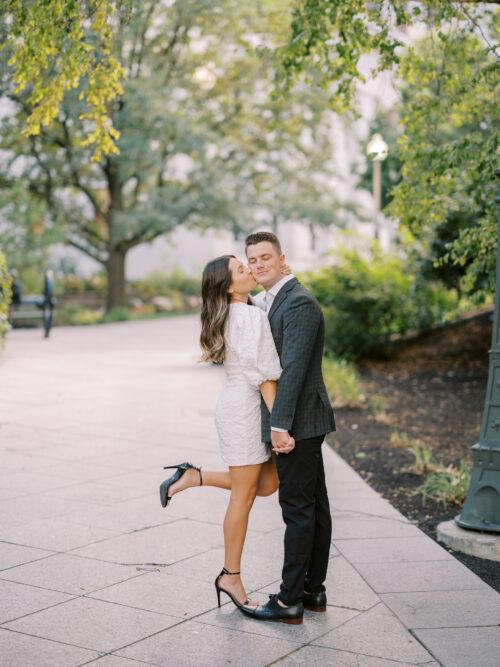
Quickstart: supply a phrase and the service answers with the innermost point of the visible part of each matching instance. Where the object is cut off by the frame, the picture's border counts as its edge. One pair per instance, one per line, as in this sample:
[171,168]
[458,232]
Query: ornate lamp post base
[481,510]
[482,506]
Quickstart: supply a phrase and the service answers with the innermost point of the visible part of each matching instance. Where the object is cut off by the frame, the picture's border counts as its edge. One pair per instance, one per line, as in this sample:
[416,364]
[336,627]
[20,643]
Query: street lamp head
[377,149]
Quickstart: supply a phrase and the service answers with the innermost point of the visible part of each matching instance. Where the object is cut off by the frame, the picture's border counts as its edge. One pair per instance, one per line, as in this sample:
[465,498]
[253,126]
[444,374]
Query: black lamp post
[481,510]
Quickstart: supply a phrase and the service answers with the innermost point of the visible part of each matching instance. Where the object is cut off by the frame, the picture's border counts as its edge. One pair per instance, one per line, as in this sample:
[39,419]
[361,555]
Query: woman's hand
[286,270]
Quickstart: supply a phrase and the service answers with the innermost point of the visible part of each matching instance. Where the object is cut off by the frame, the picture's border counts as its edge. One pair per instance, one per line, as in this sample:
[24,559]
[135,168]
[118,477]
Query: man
[301,412]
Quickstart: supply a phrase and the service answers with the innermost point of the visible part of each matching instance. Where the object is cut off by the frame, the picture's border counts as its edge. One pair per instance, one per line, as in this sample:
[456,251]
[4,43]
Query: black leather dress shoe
[314,601]
[273,611]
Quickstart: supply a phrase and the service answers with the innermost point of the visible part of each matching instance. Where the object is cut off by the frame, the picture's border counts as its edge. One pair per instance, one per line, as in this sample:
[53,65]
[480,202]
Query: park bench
[32,307]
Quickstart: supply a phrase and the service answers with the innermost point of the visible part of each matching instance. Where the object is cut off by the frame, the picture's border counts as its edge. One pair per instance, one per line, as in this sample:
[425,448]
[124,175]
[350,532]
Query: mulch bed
[432,388]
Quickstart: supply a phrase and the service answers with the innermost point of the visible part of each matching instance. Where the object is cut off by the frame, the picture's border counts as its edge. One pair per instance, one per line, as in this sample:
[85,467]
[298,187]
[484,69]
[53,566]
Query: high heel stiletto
[179,471]
[223,590]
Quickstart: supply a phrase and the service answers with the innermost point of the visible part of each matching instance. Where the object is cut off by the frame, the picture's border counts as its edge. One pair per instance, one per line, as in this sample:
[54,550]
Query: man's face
[265,263]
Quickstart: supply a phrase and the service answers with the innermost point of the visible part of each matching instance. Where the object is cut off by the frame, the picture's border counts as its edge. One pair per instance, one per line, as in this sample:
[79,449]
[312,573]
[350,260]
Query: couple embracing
[271,419]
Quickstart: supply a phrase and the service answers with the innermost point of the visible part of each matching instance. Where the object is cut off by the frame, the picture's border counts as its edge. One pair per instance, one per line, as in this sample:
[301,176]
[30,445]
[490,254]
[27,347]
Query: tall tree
[199,132]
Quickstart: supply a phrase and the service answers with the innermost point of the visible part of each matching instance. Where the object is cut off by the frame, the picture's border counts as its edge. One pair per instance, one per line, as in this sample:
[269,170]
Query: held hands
[282,442]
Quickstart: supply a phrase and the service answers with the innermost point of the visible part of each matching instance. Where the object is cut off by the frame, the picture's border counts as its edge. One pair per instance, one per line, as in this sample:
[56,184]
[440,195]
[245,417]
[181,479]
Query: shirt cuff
[280,430]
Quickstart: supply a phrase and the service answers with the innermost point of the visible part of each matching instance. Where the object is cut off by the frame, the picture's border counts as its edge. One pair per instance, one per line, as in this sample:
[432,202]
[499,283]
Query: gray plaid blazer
[302,406]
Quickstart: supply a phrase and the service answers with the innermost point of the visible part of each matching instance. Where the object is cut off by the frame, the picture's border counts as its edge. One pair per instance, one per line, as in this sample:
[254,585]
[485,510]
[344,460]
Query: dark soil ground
[431,388]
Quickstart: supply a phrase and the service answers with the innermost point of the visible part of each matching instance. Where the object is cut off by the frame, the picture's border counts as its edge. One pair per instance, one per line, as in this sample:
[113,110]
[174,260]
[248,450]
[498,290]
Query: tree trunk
[115,268]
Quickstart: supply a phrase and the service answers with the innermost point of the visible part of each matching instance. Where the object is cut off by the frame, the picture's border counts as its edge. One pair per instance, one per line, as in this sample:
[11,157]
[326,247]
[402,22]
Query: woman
[238,334]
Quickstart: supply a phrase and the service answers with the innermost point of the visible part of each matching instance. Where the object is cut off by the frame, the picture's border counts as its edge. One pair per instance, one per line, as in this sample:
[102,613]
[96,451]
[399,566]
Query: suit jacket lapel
[281,296]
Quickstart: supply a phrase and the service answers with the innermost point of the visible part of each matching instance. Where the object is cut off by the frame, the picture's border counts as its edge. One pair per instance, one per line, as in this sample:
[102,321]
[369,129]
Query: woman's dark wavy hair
[215,283]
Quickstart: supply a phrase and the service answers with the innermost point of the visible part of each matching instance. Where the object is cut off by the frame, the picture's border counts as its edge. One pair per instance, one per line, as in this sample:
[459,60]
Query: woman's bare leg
[244,484]
[219,479]
[268,479]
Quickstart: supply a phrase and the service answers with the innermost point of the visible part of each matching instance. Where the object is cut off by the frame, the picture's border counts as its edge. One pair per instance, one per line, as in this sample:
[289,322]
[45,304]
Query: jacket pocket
[323,395]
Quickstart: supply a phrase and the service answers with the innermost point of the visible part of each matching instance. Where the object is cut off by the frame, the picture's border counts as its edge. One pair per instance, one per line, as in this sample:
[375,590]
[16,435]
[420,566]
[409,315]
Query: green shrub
[72,283]
[366,301]
[87,316]
[175,285]
[117,314]
[342,383]
[5,296]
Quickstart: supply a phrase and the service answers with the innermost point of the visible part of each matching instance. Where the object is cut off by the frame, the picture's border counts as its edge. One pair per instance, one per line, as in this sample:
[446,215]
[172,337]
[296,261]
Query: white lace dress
[250,359]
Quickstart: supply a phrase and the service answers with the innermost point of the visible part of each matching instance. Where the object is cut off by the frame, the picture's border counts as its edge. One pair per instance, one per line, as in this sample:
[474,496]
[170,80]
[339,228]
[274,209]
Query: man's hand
[282,442]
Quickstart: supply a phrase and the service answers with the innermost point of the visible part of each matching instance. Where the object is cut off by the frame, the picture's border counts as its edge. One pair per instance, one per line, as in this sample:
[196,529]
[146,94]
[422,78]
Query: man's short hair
[259,237]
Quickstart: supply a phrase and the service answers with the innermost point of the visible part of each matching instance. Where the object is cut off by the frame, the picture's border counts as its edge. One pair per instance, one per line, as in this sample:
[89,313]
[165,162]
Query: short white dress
[250,360]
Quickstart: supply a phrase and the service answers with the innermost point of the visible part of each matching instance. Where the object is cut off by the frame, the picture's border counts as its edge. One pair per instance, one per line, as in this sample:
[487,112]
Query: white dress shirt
[273,291]
[265,302]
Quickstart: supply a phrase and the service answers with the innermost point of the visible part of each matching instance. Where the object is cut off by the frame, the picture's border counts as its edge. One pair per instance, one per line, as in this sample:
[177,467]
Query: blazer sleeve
[301,323]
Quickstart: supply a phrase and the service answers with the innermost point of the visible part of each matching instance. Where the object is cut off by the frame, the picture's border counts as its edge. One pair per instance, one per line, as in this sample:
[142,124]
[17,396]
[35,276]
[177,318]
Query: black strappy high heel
[179,471]
[223,590]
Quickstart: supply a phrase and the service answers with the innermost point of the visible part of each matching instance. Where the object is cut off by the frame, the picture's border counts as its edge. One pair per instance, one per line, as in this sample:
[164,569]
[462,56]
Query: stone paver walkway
[93,570]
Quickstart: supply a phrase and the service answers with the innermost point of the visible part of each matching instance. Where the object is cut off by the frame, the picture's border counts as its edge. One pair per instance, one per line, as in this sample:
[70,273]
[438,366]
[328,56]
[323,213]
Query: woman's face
[243,281]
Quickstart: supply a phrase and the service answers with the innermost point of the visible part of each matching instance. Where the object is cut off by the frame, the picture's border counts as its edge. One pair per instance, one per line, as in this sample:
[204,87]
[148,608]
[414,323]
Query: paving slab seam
[336,511]
[96,504]
[193,619]
[69,551]
[355,653]
[75,595]
[426,648]
[35,560]
[244,632]
[130,606]
[311,642]
[101,560]
[49,639]
[409,630]
[441,590]
[122,657]
[454,627]
[134,530]
[86,648]
[30,613]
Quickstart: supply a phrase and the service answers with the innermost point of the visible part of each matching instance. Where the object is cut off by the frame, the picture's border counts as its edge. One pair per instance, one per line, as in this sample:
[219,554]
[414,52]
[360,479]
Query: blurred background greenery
[122,121]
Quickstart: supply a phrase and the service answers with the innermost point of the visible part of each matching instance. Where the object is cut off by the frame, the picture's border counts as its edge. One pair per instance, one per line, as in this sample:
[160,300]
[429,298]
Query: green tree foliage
[58,46]
[449,151]
[27,230]
[450,128]
[202,143]
[334,35]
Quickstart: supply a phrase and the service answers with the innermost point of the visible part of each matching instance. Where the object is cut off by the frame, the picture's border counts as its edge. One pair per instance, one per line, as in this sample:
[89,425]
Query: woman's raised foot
[189,479]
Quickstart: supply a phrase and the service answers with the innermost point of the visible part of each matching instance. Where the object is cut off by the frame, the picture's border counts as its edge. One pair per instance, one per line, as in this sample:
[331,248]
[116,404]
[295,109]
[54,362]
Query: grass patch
[343,383]
[424,460]
[446,485]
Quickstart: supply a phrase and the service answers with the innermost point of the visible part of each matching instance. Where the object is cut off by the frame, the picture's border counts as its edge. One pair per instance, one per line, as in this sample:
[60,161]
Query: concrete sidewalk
[93,570]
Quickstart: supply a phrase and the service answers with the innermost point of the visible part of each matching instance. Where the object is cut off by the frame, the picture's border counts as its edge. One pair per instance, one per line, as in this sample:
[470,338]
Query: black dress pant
[306,512]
